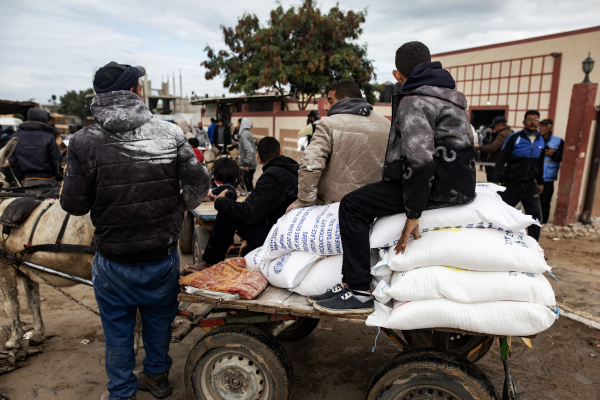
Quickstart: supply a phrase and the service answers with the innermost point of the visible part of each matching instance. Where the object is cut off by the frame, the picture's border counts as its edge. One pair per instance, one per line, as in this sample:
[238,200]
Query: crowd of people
[137,176]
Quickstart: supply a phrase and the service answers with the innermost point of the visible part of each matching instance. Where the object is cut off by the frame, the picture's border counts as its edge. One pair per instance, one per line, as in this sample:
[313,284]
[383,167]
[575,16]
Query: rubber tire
[187,234]
[262,345]
[439,368]
[415,340]
[303,327]
[200,240]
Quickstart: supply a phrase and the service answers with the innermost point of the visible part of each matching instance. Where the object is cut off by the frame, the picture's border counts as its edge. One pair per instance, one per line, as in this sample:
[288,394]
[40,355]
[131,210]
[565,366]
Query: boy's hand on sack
[291,207]
[410,227]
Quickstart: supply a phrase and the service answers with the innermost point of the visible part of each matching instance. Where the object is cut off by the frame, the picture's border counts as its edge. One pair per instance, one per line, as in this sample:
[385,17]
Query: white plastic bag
[503,318]
[486,211]
[288,270]
[324,275]
[311,230]
[429,283]
[487,250]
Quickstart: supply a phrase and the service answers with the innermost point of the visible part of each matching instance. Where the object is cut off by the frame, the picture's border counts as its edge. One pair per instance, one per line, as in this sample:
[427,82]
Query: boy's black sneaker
[345,302]
[327,295]
[158,385]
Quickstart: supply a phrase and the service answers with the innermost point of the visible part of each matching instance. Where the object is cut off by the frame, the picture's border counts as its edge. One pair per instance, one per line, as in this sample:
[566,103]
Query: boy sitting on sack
[430,163]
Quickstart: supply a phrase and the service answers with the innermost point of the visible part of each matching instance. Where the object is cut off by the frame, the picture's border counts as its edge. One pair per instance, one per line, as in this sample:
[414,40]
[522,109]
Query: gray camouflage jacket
[430,149]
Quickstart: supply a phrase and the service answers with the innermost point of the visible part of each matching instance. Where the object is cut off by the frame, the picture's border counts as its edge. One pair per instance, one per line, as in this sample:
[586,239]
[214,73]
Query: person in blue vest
[523,176]
[211,128]
[553,156]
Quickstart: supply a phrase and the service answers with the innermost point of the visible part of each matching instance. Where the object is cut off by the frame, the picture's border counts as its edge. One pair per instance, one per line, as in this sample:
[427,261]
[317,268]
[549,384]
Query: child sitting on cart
[429,164]
[253,218]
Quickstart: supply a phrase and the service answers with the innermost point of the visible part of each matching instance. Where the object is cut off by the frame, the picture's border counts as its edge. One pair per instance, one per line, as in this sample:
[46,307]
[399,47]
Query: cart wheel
[299,330]
[201,236]
[471,347]
[430,375]
[238,361]
[187,233]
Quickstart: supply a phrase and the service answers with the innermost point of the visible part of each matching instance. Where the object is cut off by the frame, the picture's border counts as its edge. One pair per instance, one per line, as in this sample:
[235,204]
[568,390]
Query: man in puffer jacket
[247,152]
[430,163]
[36,158]
[346,151]
[125,170]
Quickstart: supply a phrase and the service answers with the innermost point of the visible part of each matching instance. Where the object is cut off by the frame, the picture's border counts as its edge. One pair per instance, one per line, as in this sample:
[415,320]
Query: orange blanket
[229,276]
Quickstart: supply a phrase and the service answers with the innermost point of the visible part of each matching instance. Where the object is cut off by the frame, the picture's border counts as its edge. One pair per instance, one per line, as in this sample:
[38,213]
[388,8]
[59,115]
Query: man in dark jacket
[429,164]
[253,218]
[36,158]
[221,135]
[523,176]
[553,156]
[500,132]
[125,170]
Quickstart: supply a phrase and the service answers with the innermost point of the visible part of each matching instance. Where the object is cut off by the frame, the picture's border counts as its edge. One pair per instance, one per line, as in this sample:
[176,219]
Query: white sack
[503,318]
[487,210]
[254,260]
[324,275]
[288,270]
[485,250]
[429,283]
[311,230]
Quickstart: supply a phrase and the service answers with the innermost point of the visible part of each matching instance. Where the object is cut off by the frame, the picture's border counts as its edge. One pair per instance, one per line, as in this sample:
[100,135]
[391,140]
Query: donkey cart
[241,358]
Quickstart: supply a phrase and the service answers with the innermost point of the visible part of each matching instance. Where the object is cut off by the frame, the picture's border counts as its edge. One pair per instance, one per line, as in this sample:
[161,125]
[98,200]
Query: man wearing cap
[36,158]
[125,170]
[500,132]
[553,156]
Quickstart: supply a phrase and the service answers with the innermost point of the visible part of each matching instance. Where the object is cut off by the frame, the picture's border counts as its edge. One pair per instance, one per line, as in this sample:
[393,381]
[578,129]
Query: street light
[588,66]
[323,89]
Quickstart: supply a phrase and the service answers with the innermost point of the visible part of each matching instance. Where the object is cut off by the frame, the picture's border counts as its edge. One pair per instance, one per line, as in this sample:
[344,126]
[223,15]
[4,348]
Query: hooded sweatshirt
[346,152]
[430,148]
[36,156]
[247,148]
[125,170]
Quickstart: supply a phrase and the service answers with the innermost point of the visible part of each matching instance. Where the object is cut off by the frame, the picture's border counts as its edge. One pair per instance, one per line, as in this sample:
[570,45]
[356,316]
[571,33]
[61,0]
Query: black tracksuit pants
[358,210]
[249,179]
[546,199]
[222,235]
[527,194]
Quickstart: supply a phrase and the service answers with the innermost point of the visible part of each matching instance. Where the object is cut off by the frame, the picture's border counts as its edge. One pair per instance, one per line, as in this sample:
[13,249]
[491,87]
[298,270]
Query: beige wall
[574,50]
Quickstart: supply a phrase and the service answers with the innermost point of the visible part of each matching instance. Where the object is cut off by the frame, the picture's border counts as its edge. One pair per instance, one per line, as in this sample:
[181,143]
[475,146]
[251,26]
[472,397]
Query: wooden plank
[207,208]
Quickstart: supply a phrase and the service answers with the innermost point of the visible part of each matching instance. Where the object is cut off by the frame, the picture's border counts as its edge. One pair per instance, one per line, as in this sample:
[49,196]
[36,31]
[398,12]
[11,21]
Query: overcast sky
[49,47]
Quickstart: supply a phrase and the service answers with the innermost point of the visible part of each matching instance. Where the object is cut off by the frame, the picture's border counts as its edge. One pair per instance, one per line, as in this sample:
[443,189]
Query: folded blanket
[229,276]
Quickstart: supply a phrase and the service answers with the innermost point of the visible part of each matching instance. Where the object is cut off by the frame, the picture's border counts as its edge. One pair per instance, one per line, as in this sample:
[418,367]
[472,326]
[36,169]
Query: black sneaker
[327,295]
[158,385]
[345,303]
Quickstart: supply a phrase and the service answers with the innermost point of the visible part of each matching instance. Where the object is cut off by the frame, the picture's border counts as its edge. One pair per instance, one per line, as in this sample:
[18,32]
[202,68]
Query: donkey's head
[7,150]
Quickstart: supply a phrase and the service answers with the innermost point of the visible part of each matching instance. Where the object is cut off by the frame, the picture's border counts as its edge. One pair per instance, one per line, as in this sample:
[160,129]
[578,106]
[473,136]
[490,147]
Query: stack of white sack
[485,280]
[304,273]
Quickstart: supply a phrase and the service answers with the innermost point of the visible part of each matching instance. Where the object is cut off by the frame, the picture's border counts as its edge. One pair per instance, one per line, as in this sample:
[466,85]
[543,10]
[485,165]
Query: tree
[73,103]
[302,48]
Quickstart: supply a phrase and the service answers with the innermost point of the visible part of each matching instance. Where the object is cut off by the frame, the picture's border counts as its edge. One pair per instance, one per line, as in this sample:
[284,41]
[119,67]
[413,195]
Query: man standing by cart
[126,170]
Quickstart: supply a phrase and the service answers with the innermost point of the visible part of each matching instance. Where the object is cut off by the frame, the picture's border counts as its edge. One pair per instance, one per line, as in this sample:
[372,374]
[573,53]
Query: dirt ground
[335,362]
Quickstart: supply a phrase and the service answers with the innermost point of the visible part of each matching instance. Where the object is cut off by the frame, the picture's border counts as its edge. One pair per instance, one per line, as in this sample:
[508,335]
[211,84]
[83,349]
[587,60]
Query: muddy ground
[329,364]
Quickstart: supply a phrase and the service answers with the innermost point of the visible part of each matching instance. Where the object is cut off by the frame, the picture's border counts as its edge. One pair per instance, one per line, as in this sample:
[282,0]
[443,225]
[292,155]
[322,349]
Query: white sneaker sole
[339,312]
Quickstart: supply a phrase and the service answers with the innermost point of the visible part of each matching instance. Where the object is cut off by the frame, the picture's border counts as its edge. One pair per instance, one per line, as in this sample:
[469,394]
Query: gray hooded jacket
[247,148]
[125,170]
[430,149]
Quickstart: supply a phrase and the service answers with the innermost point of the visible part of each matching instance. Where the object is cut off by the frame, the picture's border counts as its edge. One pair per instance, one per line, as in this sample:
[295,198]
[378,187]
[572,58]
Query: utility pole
[180,92]
[174,95]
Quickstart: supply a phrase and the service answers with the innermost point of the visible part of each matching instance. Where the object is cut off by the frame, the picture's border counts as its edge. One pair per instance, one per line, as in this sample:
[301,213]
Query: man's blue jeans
[120,291]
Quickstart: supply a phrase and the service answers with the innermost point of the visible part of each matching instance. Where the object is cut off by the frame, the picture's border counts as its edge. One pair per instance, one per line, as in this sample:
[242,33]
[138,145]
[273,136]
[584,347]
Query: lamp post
[588,66]
[323,89]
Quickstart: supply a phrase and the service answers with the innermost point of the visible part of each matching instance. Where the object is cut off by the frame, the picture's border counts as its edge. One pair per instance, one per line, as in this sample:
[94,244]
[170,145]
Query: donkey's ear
[7,150]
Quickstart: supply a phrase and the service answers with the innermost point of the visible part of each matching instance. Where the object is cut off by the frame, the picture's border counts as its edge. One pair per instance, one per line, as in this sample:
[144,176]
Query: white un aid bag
[486,211]
[461,286]
[502,318]
[311,230]
[487,250]
[324,275]
[288,270]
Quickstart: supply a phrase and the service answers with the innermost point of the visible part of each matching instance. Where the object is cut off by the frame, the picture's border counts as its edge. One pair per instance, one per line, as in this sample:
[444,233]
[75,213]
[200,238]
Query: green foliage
[20,116]
[73,103]
[301,47]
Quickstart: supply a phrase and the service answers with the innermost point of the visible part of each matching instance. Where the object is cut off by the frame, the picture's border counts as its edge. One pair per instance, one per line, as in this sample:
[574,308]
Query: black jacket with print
[430,149]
